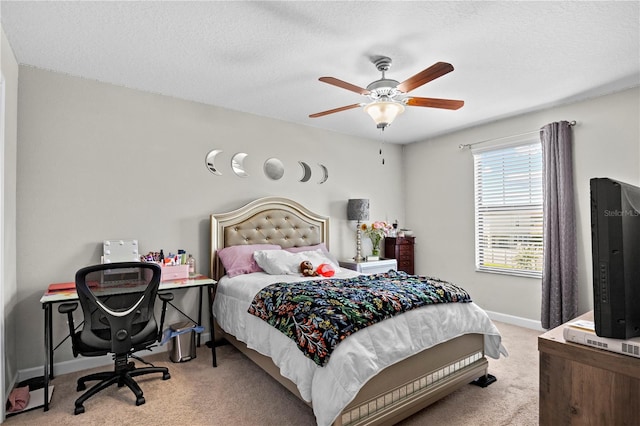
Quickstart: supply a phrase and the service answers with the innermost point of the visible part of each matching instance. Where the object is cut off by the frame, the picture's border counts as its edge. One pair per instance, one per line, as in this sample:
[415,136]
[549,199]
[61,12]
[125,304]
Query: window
[508,207]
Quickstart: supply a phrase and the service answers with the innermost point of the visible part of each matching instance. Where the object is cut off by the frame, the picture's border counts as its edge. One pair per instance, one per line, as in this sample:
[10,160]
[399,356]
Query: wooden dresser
[401,249]
[582,385]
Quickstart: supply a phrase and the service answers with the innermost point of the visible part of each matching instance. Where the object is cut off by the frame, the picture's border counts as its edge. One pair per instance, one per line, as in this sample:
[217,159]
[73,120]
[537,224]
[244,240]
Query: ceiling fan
[389,97]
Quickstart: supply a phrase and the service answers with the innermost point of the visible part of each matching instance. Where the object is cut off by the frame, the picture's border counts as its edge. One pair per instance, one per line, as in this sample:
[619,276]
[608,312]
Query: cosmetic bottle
[191,261]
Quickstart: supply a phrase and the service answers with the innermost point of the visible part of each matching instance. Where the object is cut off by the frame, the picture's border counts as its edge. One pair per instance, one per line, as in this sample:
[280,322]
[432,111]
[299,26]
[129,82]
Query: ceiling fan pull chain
[382,141]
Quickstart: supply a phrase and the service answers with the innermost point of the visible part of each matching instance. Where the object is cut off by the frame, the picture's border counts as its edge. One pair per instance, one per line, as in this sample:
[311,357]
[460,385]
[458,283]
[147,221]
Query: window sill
[524,274]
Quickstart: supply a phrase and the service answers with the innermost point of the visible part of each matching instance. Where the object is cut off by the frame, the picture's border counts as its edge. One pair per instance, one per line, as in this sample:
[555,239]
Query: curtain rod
[469,145]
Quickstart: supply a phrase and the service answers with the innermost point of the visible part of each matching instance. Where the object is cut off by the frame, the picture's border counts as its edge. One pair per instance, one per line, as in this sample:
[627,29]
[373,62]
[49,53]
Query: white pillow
[282,262]
[277,262]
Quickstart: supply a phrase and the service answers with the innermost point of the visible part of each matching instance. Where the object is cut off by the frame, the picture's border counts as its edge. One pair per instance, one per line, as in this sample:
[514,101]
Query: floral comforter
[319,315]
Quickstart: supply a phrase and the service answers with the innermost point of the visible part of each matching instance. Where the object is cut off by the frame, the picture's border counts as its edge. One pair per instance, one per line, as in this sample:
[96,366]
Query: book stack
[584,333]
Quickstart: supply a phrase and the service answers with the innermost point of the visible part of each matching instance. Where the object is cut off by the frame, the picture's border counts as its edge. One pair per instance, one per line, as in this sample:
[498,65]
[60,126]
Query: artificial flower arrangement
[375,232]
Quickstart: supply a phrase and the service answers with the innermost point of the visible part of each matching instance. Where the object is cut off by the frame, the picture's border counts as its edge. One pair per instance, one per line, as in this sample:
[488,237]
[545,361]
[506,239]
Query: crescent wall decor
[306,171]
[237,164]
[210,162]
[273,168]
[325,173]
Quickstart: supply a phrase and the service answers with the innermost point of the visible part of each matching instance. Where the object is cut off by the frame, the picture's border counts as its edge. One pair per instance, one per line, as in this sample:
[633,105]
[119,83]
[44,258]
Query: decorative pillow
[238,260]
[278,262]
[283,262]
[325,270]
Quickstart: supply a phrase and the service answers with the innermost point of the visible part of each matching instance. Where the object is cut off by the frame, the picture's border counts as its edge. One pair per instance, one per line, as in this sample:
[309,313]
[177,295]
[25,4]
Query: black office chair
[117,301]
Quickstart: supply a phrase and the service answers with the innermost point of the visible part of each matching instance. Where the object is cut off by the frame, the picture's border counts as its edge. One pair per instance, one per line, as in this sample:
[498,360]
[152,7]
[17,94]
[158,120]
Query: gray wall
[9,68]
[97,161]
[439,198]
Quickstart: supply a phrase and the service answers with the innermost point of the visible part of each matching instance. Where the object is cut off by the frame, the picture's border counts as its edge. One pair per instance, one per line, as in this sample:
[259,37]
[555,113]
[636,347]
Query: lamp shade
[358,209]
[383,113]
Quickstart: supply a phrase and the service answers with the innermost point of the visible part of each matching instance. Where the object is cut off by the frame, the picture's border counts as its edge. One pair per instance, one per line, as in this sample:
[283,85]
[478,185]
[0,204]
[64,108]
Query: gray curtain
[559,286]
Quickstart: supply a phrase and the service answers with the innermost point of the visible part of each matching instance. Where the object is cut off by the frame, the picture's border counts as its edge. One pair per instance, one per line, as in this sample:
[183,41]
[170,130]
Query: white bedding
[359,357]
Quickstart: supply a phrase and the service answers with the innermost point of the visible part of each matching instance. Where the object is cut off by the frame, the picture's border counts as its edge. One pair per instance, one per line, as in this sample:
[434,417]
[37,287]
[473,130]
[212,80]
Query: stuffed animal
[325,270]
[306,269]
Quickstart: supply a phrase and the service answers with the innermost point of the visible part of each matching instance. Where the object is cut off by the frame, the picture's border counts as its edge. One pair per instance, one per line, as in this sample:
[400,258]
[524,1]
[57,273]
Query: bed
[368,380]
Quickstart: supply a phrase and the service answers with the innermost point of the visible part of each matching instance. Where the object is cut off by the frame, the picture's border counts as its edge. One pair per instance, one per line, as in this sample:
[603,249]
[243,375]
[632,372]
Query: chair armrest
[69,308]
[66,308]
[166,298]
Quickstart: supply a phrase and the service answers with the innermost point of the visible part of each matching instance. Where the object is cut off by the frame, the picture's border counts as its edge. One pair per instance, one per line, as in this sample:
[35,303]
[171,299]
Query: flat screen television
[615,244]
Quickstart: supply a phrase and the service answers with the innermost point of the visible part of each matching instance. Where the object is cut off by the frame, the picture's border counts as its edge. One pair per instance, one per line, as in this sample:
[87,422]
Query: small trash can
[182,345]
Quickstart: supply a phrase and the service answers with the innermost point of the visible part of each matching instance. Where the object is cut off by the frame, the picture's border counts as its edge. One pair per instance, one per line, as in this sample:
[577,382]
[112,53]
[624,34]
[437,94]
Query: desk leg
[199,314]
[48,350]
[50,331]
[212,343]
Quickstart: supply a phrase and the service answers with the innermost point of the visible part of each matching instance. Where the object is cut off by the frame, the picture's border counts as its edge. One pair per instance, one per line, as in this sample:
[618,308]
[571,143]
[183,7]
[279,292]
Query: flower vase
[375,247]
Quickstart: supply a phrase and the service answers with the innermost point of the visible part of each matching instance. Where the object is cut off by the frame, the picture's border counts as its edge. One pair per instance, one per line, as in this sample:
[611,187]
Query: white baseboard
[519,321]
[85,363]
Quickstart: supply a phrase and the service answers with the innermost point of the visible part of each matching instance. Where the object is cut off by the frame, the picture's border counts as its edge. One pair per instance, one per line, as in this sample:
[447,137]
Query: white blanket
[359,357]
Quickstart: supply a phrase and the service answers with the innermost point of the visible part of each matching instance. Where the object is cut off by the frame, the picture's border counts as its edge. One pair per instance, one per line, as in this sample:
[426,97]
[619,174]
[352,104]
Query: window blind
[508,209]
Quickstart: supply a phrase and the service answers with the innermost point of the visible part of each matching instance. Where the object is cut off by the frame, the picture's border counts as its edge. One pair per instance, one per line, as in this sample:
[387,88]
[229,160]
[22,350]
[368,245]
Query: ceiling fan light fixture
[384,112]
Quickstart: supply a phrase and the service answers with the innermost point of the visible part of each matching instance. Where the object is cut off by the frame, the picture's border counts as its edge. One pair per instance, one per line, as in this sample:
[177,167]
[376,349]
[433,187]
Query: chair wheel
[140,400]
[81,387]
[166,376]
[79,410]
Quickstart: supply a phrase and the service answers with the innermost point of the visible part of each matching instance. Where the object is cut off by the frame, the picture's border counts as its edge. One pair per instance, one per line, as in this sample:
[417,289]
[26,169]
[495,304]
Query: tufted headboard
[270,220]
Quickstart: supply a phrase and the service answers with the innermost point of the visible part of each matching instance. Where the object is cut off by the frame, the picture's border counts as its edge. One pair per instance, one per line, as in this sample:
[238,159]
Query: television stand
[584,385]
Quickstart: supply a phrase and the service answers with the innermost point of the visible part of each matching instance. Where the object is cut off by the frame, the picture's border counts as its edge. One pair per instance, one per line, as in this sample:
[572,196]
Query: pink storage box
[176,272]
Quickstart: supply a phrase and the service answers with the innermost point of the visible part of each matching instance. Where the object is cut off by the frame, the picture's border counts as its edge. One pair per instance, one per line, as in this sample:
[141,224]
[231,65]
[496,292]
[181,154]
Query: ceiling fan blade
[435,103]
[344,85]
[434,71]
[331,111]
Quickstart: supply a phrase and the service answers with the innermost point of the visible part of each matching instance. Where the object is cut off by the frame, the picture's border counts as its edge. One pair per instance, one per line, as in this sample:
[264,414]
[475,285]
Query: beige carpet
[239,393]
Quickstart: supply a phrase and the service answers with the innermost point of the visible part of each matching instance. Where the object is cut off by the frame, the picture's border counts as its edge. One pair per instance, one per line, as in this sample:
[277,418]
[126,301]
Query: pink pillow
[238,260]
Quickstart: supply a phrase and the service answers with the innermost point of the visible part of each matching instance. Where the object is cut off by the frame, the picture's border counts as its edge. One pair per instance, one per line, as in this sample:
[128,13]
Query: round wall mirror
[273,168]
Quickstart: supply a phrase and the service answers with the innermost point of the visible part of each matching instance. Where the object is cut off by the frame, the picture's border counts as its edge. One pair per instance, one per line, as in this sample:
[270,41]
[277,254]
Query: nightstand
[370,267]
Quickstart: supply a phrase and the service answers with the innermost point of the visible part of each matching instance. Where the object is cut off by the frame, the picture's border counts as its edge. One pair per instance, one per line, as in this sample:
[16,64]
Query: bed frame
[395,393]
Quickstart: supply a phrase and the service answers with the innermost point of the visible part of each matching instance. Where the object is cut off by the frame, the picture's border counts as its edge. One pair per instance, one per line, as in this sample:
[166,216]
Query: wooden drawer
[405,250]
[406,267]
[404,240]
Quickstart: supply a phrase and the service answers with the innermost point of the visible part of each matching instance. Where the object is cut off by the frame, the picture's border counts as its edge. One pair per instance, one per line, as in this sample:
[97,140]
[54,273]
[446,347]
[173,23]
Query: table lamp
[358,210]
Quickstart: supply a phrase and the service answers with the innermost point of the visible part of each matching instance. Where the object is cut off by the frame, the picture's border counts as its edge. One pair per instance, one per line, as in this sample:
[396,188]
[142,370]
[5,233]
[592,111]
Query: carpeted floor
[239,393]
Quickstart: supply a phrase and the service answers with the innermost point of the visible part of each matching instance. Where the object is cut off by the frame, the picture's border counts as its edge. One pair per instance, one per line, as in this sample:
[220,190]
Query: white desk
[62,296]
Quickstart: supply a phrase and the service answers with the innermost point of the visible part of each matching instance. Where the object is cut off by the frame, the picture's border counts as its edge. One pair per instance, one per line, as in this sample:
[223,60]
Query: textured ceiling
[265,58]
